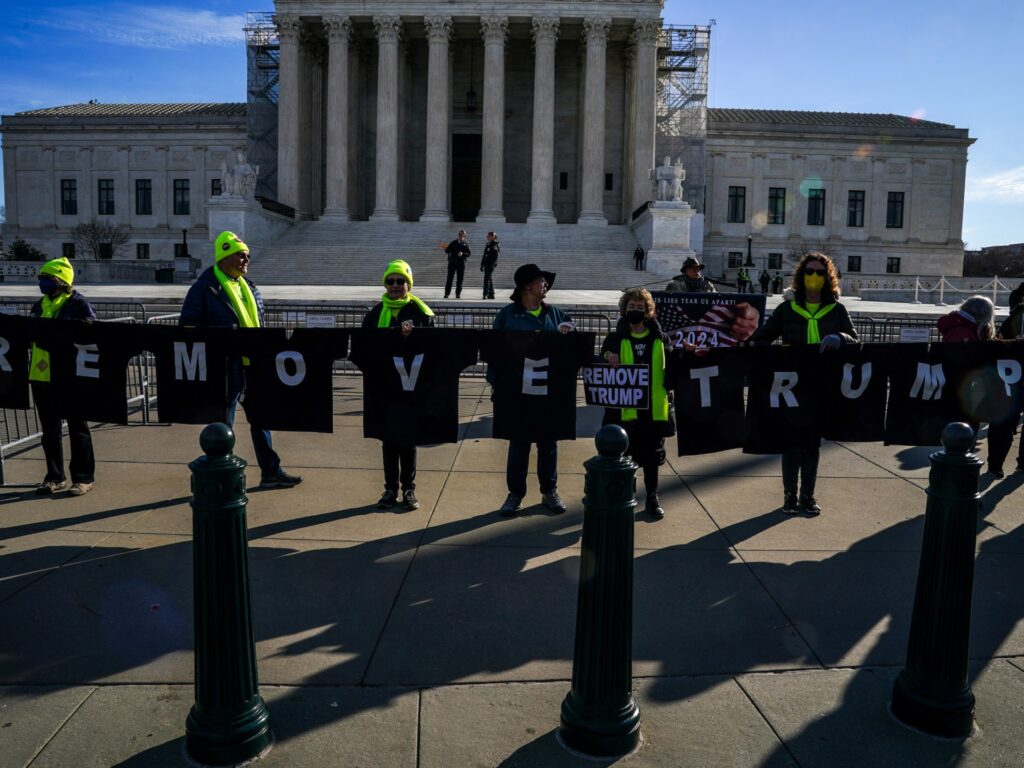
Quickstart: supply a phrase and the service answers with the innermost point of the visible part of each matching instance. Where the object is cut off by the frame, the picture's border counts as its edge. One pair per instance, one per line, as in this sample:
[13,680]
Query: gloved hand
[832,341]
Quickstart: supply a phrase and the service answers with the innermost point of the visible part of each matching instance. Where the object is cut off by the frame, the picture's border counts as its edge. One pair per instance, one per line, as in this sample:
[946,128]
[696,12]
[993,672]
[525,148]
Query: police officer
[491,252]
[691,280]
[458,252]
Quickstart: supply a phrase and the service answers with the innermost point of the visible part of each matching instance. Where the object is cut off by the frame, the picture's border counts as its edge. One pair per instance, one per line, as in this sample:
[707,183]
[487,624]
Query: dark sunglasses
[821,272]
[395,281]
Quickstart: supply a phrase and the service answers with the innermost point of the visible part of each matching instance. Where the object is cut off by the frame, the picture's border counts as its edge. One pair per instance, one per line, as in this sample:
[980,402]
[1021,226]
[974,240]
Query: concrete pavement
[443,637]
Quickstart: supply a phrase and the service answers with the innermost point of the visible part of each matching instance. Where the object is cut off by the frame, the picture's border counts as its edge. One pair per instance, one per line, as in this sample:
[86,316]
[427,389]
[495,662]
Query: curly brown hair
[637,294]
[829,291]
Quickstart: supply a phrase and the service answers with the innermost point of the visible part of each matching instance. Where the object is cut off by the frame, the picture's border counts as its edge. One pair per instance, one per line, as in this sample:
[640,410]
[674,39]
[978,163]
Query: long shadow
[42,526]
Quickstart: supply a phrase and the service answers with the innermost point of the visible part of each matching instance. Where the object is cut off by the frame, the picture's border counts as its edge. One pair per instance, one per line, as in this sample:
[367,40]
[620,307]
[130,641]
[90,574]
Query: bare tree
[94,237]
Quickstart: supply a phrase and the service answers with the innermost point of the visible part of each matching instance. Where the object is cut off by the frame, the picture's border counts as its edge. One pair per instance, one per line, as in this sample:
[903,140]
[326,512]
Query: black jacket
[491,252]
[75,308]
[612,343]
[786,324]
[409,312]
[457,250]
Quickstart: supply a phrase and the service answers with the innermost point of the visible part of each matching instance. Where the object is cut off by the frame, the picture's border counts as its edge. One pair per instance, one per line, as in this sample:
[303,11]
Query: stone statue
[664,176]
[227,182]
[678,176]
[240,179]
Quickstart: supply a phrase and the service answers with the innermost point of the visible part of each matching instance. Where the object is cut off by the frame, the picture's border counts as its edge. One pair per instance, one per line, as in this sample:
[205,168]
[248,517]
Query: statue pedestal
[663,231]
[243,216]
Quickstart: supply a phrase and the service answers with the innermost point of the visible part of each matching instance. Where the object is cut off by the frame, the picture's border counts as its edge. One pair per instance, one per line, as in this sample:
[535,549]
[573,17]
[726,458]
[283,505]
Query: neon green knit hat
[61,269]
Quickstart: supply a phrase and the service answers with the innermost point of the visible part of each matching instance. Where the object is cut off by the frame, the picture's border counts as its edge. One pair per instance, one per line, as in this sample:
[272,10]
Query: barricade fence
[20,428]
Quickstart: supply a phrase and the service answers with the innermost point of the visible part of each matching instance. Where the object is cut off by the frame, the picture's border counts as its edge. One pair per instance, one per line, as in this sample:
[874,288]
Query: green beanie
[61,269]
[227,244]
[399,267]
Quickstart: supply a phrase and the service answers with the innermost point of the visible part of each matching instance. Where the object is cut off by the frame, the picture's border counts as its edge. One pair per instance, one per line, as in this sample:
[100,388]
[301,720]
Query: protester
[638,339]
[638,258]
[813,316]
[971,322]
[458,252]
[764,279]
[221,297]
[777,283]
[743,281]
[529,312]
[399,309]
[60,301]
[691,280]
[487,264]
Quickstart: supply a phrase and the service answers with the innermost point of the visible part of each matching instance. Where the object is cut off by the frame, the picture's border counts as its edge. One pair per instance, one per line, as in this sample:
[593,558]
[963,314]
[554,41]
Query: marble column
[545,35]
[645,77]
[494,30]
[955,233]
[389,29]
[307,119]
[439,33]
[289,98]
[338,30]
[628,148]
[595,32]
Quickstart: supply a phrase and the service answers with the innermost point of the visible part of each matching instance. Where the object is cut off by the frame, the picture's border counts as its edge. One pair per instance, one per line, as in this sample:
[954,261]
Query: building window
[68,197]
[181,197]
[776,205]
[142,250]
[105,198]
[816,207]
[609,182]
[563,180]
[106,251]
[214,187]
[735,259]
[774,261]
[853,264]
[737,213]
[855,208]
[180,251]
[892,265]
[143,197]
[67,250]
[894,211]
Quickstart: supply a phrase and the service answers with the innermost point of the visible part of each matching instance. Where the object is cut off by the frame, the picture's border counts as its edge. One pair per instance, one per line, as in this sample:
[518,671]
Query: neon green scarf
[39,370]
[659,397]
[392,307]
[242,301]
[813,336]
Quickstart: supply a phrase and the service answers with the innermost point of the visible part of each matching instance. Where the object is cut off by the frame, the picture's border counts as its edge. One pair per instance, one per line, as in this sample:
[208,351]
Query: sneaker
[790,506]
[995,471]
[653,506]
[553,502]
[49,487]
[388,499]
[409,500]
[80,489]
[810,506]
[281,480]
[512,505]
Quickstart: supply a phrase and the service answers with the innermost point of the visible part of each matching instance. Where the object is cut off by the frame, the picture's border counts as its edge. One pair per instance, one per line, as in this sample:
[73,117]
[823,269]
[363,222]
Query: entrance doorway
[466,162]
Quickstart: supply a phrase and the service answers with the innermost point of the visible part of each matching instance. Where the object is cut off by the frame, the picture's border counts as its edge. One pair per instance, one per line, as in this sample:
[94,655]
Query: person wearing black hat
[458,252]
[690,281]
[529,312]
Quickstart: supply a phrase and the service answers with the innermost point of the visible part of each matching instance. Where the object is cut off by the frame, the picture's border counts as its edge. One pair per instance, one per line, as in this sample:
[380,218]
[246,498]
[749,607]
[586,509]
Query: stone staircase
[355,253]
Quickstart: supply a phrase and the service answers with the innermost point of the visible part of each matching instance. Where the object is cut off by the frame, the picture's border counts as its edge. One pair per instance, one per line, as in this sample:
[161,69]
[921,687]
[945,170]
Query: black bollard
[599,714]
[932,693]
[229,722]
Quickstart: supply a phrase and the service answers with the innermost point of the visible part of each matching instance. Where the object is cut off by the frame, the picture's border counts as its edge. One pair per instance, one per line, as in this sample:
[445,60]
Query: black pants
[488,283]
[1000,438]
[455,266]
[802,462]
[399,465]
[518,465]
[83,460]
[638,263]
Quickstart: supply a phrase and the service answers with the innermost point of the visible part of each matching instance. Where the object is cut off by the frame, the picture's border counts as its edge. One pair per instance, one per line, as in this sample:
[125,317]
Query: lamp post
[750,260]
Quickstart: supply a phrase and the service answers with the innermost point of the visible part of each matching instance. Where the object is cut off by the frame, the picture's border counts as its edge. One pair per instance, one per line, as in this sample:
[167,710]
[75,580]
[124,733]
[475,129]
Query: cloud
[1004,186]
[143,26]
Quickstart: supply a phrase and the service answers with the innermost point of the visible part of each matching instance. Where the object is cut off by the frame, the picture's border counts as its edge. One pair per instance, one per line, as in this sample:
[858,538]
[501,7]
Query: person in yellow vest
[222,297]
[61,301]
[639,340]
[813,316]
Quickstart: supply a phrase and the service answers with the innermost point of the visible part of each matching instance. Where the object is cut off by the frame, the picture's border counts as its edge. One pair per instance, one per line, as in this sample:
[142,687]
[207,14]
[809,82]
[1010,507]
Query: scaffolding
[262,55]
[682,103]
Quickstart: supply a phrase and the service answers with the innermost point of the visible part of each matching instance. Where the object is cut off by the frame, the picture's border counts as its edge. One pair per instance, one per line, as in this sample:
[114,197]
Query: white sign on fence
[915,335]
[321,321]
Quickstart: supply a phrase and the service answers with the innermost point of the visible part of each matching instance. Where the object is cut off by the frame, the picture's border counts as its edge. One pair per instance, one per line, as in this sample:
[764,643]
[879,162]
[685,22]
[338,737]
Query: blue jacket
[207,306]
[75,308]
[514,317]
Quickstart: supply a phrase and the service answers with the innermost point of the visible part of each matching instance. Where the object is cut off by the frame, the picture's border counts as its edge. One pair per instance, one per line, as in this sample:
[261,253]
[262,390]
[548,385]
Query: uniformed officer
[458,252]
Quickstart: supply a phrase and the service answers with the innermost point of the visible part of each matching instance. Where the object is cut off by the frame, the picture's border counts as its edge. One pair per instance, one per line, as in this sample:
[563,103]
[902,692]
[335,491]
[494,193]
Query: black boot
[653,506]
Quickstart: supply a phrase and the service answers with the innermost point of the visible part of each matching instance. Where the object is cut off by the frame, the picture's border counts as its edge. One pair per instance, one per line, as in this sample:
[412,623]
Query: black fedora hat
[526,274]
[692,262]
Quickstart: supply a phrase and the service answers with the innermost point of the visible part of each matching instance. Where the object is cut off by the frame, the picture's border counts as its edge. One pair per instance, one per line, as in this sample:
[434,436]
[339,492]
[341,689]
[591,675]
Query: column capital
[646,31]
[545,30]
[288,27]
[337,28]
[494,29]
[388,29]
[439,28]
[595,29]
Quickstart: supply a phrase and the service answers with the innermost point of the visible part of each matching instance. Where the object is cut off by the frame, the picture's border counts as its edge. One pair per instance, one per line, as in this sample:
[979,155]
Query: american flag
[702,320]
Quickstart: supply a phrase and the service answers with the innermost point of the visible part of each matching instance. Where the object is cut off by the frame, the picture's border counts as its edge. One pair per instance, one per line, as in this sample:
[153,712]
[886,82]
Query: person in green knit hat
[60,301]
[399,309]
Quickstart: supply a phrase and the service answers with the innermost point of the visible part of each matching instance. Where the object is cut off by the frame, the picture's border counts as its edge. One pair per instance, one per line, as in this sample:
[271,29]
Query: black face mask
[635,316]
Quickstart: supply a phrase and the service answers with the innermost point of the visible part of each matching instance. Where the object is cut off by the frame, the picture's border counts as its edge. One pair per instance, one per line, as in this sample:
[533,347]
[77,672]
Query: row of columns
[494,30]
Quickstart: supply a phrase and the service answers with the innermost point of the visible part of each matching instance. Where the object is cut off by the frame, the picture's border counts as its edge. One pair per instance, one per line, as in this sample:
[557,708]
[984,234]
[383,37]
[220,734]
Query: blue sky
[951,62]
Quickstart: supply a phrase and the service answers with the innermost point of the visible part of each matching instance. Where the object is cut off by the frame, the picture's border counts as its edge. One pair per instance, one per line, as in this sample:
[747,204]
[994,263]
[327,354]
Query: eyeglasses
[395,281]
[821,272]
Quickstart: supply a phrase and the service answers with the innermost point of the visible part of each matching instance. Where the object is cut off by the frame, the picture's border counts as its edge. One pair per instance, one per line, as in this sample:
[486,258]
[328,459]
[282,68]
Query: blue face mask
[47,287]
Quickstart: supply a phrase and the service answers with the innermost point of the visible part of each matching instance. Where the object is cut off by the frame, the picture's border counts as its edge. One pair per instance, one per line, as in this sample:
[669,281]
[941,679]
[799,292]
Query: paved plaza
[444,636]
